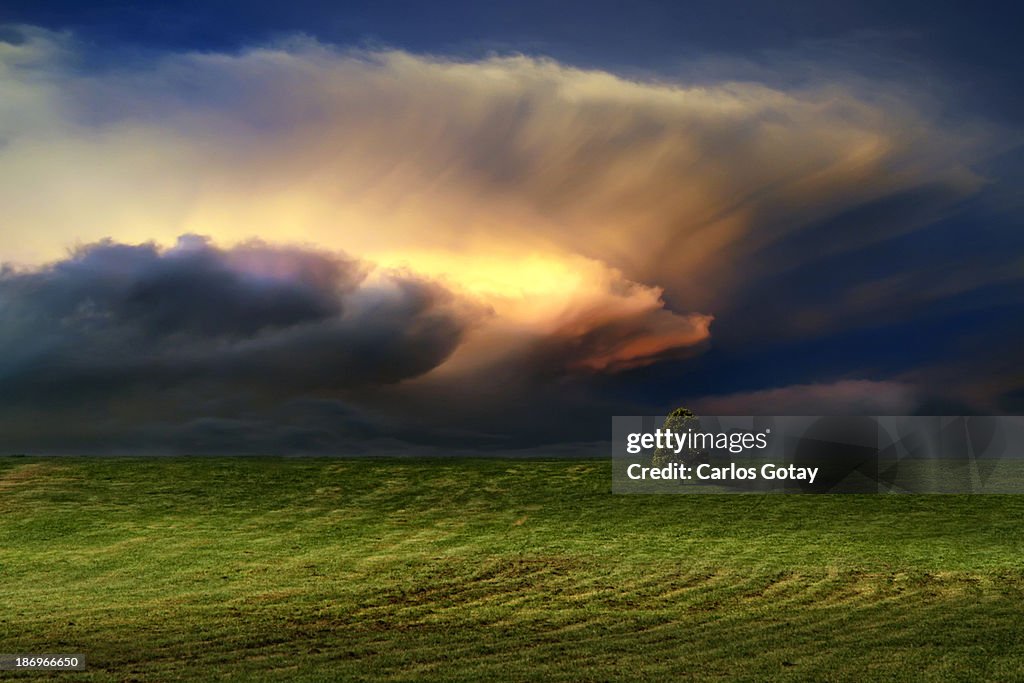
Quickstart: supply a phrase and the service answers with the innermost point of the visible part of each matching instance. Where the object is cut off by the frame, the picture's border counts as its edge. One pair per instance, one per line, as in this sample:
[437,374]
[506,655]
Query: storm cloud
[183,330]
[270,348]
[537,246]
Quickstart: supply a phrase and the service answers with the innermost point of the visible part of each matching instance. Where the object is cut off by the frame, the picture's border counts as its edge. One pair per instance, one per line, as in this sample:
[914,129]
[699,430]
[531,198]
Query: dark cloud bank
[268,349]
[251,348]
[256,349]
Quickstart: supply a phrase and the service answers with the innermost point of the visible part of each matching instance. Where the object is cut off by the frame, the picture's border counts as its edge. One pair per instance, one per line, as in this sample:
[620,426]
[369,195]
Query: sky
[485,228]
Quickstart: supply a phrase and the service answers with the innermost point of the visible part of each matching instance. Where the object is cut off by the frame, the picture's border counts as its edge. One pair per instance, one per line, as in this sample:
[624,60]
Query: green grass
[243,569]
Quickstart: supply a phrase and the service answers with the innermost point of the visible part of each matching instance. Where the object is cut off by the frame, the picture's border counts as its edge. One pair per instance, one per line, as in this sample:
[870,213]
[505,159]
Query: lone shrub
[678,421]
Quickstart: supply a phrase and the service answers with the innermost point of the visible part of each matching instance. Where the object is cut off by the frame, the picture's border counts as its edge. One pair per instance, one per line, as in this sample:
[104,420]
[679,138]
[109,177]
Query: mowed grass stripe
[262,569]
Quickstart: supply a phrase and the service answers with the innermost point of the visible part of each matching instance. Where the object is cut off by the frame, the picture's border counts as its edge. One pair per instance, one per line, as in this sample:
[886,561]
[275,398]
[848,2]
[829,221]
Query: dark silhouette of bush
[678,421]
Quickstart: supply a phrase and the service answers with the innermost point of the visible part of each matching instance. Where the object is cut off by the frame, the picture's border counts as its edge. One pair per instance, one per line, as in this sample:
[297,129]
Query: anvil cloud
[470,232]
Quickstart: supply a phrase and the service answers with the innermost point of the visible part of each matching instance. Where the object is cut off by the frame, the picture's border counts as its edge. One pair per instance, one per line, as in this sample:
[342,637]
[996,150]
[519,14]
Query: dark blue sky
[971,35]
[971,45]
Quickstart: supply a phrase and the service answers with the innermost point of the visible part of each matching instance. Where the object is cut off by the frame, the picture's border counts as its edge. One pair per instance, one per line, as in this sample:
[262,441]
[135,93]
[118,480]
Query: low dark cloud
[259,348]
[847,397]
[129,340]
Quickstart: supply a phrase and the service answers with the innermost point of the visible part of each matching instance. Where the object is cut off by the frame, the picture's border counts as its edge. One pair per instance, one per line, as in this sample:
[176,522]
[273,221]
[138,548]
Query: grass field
[243,569]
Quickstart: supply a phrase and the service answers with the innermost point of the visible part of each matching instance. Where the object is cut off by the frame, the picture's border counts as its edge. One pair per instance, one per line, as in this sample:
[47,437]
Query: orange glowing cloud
[566,201]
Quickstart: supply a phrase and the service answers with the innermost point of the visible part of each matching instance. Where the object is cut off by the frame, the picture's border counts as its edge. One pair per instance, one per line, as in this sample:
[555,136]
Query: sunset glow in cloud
[567,222]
